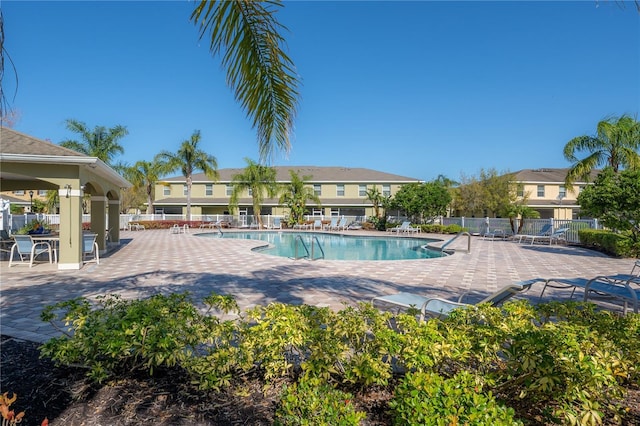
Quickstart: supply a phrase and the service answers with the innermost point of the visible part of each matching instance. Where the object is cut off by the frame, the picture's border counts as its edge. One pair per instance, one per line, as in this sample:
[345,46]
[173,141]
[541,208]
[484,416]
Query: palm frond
[259,71]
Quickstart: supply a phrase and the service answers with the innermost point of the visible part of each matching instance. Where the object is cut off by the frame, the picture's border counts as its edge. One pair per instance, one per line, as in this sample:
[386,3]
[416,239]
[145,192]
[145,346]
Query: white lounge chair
[277,224]
[557,236]
[544,231]
[404,227]
[317,224]
[333,225]
[342,225]
[437,307]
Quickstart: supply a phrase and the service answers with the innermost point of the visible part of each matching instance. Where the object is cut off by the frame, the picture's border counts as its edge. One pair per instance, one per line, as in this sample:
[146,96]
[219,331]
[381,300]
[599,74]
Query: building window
[362,190]
[580,189]
[340,190]
[42,192]
[21,192]
[229,190]
[562,192]
[250,192]
[317,189]
[208,190]
[316,211]
[184,189]
[540,190]
[386,190]
[166,191]
[335,211]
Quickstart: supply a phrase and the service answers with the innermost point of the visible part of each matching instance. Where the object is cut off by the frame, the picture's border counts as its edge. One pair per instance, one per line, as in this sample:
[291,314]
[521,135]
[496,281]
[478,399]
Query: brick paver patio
[157,261]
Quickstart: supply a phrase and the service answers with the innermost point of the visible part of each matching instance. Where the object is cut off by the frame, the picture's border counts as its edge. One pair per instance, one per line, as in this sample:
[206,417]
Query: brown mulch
[65,397]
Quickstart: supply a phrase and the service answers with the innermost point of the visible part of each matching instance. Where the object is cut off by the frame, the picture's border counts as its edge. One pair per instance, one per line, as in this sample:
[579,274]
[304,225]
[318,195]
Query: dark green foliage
[560,362]
[614,199]
[616,244]
[316,403]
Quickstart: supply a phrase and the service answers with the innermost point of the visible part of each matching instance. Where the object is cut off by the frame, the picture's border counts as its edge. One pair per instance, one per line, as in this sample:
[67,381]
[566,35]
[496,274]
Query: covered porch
[27,163]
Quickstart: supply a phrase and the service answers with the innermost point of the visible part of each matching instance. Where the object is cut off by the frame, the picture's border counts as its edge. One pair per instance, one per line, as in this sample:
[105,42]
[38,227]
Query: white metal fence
[473,225]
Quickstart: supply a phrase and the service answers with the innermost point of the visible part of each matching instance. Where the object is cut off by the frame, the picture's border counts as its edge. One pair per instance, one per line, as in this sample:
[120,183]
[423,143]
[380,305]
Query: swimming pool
[336,247]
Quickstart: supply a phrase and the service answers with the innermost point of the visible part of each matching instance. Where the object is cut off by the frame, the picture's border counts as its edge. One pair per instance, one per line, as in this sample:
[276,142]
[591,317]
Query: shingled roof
[547,175]
[318,174]
[14,142]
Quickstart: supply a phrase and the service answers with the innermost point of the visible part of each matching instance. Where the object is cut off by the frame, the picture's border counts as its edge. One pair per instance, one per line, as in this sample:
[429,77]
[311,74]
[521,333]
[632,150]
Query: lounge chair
[557,236]
[437,307]
[624,287]
[26,247]
[277,224]
[405,227]
[342,225]
[90,248]
[333,225]
[546,230]
[317,224]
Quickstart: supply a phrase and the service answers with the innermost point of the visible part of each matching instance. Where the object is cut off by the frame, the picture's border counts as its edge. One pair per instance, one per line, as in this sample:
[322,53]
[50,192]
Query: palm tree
[259,71]
[377,200]
[144,175]
[295,195]
[99,142]
[188,159]
[615,144]
[258,180]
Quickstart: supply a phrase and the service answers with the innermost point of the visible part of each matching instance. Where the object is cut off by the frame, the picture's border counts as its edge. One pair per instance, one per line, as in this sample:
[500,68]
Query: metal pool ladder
[454,238]
[309,254]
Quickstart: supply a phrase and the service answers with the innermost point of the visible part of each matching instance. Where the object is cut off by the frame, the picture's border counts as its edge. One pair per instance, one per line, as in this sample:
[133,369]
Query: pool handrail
[299,238]
[454,238]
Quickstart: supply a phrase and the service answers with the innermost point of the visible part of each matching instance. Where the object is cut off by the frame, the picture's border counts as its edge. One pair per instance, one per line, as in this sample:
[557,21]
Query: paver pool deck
[157,261]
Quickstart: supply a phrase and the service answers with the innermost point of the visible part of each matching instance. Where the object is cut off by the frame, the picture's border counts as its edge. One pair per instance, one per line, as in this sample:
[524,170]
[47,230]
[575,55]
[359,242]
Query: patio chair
[317,224]
[342,225]
[405,227]
[624,287]
[437,307]
[546,230]
[26,248]
[277,223]
[90,248]
[557,236]
[333,225]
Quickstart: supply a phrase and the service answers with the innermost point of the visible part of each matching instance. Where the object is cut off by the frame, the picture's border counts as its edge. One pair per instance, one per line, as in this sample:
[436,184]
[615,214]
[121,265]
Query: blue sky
[413,88]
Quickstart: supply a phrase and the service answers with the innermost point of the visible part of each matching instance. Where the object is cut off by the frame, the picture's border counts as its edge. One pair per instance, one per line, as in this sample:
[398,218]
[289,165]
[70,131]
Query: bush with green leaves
[115,335]
[314,402]
[426,398]
[564,362]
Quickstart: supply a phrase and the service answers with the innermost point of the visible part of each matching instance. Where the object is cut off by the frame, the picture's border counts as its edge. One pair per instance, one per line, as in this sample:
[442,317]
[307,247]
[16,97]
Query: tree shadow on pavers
[571,251]
[262,288]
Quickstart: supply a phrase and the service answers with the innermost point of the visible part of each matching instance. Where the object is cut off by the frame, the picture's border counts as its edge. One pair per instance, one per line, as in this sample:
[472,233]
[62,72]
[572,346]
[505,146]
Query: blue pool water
[337,247]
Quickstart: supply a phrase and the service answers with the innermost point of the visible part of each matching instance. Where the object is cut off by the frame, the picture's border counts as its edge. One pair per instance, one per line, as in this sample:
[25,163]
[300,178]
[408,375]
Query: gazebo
[30,163]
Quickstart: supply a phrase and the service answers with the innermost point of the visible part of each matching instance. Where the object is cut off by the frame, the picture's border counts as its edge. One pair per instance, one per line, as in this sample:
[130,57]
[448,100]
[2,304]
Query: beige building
[342,192]
[547,193]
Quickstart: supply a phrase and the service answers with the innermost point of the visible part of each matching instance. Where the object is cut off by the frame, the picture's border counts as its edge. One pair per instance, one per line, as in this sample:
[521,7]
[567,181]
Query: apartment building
[341,190]
[547,193]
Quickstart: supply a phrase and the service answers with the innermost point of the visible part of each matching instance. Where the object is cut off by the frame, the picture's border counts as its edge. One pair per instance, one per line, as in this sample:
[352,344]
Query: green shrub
[424,398]
[617,244]
[316,403]
[120,336]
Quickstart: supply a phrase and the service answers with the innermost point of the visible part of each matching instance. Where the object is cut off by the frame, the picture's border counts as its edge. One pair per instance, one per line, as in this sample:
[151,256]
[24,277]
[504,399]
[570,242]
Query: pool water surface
[336,247]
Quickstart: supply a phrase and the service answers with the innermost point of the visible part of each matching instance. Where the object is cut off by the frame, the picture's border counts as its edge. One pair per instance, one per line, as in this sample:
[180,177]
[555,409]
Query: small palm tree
[295,194]
[99,142]
[615,144]
[144,175]
[188,159]
[257,179]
